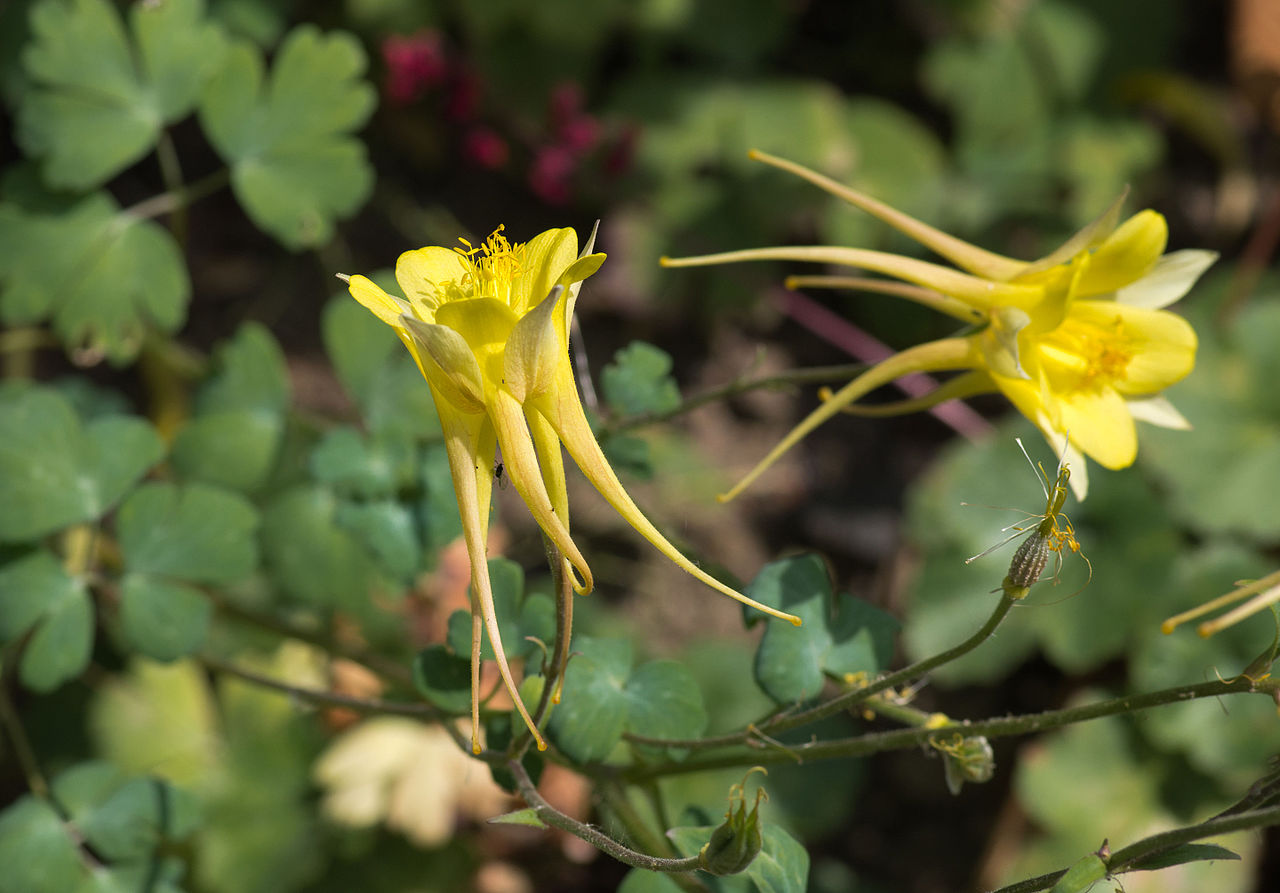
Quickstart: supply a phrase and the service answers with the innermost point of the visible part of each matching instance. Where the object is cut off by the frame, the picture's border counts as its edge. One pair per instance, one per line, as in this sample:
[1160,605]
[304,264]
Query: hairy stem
[332,699]
[594,836]
[754,753]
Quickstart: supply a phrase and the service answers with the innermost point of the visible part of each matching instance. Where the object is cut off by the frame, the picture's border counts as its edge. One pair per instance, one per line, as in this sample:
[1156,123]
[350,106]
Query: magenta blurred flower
[551,174]
[414,63]
[483,147]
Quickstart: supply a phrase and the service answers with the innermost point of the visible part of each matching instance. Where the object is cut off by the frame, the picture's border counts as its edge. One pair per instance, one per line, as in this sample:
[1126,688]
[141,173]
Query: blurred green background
[209,454]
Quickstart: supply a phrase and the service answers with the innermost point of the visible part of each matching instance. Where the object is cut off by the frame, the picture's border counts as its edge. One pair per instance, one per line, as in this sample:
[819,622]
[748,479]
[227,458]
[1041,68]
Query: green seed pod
[1027,565]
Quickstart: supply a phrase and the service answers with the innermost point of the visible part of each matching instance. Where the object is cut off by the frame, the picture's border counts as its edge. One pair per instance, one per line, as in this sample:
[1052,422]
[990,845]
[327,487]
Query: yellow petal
[1170,279]
[1162,345]
[448,363]
[564,412]
[422,274]
[546,256]
[1126,256]
[1157,411]
[949,353]
[534,350]
[1100,426]
[521,462]
[976,260]
[384,306]
[485,324]
[576,286]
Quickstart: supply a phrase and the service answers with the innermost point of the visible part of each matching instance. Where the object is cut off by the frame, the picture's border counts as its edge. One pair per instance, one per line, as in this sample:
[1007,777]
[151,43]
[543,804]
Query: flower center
[1089,356]
[491,267]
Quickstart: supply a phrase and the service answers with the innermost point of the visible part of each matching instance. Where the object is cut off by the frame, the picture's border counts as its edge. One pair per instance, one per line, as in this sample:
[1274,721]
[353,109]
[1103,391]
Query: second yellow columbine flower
[489,329]
[1077,340]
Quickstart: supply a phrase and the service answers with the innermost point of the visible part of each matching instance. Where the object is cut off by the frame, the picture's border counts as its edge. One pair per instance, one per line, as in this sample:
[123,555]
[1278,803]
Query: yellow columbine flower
[1076,340]
[488,328]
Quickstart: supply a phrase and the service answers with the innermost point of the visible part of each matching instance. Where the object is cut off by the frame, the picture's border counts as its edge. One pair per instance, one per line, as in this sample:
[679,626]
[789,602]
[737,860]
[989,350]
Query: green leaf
[792,661]
[1219,473]
[664,701]
[124,818]
[310,556]
[197,533]
[438,508]
[603,698]
[359,345]
[294,165]
[443,678]
[37,853]
[520,614]
[527,817]
[367,467]
[638,880]
[1184,853]
[956,511]
[239,423]
[782,866]
[1228,751]
[60,647]
[105,277]
[28,585]
[163,619]
[159,875]
[593,710]
[55,472]
[386,529]
[377,371]
[639,380]
[99,96]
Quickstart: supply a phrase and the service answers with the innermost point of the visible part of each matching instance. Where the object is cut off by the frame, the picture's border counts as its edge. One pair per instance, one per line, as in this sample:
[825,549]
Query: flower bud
[735,844]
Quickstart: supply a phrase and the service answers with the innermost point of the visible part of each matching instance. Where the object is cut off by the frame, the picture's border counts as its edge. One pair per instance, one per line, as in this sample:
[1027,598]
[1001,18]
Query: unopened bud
[735,844]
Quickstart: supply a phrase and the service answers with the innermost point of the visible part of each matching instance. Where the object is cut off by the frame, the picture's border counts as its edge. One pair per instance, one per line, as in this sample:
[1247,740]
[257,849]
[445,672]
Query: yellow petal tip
[344,277]
[795,621]
[664,261]
[476,748]
[1168,627]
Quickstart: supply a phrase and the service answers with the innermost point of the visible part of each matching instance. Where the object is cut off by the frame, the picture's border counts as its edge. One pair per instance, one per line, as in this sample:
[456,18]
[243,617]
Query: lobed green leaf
[103,276]
[100,95]
[294,165]
[55,472]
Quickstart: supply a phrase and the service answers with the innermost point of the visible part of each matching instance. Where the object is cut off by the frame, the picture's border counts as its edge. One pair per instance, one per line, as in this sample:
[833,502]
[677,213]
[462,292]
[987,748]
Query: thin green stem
[598,839]
[171,173]
[12,724]
[790,378]
[898,739]
[173,200]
